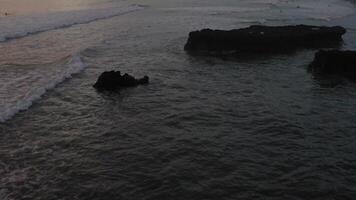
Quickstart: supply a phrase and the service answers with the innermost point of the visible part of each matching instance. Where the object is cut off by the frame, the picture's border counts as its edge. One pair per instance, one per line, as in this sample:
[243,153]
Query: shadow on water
[263,54]
[300,58]
[331,81]
[117,95]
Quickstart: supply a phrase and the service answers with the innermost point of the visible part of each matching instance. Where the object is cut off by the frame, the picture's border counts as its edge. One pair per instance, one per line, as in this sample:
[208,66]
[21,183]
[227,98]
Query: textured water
[204,128]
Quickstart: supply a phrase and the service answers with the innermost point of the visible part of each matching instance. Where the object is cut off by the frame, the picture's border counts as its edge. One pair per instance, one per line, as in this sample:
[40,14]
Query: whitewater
[22,84]
[204,128]
[14,26]
[21,25]
[33,83]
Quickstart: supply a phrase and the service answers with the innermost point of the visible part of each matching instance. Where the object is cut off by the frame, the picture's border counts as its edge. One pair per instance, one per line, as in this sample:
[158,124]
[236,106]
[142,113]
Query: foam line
[13,27]
[45,82]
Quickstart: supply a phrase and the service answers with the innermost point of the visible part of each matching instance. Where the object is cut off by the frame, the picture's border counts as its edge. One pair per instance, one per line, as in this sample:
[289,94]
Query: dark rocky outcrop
[335,62]
[111,80]
[264,39]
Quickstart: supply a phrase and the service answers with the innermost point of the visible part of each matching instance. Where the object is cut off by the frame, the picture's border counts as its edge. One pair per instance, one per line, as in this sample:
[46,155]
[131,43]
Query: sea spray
[45,81]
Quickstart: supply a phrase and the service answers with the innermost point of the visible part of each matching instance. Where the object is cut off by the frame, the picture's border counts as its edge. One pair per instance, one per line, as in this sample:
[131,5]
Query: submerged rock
[111,80]
[263,38]
[335,62]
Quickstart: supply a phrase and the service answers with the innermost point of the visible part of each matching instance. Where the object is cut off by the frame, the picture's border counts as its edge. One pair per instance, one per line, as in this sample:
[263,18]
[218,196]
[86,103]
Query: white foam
[19,91]
[14,26]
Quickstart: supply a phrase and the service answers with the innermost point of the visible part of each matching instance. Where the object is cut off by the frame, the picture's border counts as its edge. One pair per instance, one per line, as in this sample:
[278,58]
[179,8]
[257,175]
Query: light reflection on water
[21,7]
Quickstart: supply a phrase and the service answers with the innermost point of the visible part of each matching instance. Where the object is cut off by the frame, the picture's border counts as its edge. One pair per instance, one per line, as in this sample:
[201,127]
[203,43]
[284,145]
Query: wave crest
[19,92]
[13,27]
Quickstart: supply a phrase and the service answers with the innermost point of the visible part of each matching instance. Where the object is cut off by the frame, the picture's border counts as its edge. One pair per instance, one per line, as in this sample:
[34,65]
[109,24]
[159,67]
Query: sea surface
[205,128]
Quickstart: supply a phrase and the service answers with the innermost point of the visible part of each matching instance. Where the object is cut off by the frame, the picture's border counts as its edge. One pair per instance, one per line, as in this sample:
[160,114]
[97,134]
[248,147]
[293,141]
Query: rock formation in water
[111,80]
[264,39]
[335,62]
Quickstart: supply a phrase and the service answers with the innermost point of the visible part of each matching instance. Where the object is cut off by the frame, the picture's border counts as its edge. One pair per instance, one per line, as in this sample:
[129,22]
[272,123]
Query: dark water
[204,128]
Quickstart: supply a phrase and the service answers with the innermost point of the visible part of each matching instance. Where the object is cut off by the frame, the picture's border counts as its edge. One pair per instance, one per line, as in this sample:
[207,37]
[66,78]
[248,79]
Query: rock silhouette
[335,62]
[111,80]
[263,38]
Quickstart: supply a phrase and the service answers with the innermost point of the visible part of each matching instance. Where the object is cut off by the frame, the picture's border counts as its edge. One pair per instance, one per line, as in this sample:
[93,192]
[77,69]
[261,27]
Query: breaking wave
[20,92]
[13,27]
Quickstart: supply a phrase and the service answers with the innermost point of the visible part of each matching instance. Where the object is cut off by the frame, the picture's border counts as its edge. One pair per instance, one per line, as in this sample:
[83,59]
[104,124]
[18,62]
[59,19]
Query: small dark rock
[335,62]
[111,80]
[262,39]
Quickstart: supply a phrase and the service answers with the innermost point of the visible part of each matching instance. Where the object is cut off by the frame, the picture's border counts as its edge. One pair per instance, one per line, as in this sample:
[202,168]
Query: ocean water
[204,128]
